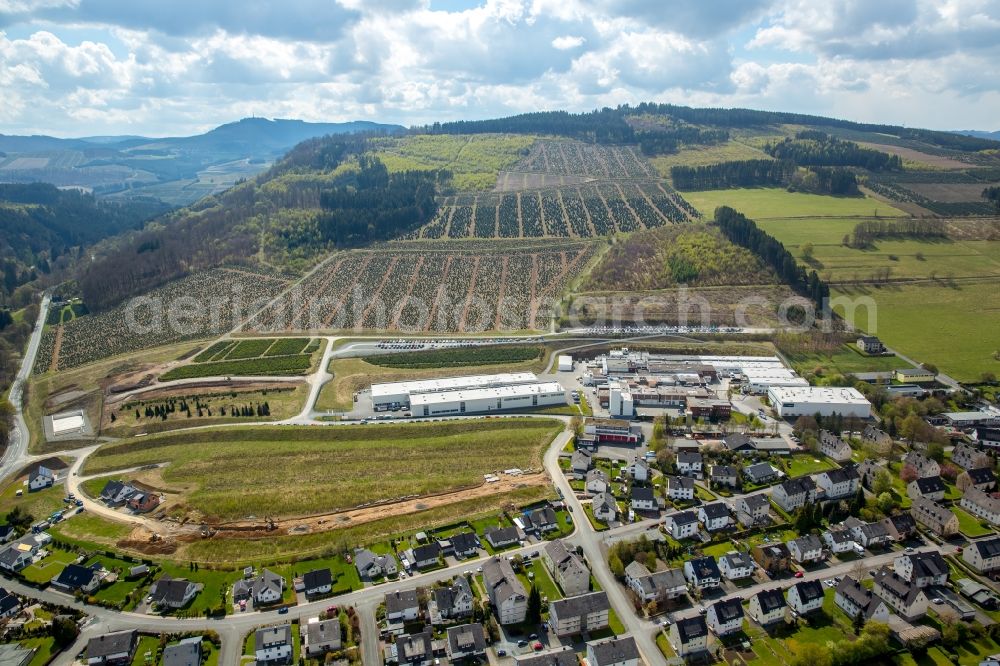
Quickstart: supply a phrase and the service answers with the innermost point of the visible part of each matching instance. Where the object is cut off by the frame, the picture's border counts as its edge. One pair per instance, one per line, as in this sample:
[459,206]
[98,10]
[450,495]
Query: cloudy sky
[174,67]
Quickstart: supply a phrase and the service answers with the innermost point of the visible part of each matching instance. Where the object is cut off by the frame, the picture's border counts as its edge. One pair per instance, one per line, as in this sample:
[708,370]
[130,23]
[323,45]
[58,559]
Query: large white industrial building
[791,401]
[397,394]
[620,401]
[485,400]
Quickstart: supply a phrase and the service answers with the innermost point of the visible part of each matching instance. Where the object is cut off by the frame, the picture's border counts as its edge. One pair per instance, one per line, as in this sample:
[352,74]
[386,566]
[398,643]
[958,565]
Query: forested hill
[42,227]
[326,193]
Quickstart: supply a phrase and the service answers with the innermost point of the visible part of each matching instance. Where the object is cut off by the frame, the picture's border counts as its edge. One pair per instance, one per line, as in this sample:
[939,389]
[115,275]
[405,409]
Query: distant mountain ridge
[177,170]
[982,134]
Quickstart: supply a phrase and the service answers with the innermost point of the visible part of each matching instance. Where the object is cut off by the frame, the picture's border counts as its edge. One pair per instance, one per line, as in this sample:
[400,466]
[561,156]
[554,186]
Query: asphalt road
[17,448]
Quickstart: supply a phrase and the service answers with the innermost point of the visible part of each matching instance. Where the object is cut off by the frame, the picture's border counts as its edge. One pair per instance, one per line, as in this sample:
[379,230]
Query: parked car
[799,574]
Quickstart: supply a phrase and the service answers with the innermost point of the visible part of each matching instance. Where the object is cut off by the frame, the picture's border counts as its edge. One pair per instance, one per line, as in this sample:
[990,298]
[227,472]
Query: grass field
[933,323]
[46,649]
[801,464]
[298,364]
[232,473]
[844,361]
[766,202]
[968,524]
[706,155]
[454,358]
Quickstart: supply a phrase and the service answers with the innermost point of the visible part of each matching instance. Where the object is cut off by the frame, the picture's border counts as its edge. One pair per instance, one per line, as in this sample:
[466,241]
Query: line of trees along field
[743,173]
[866,233]
[812,148]
[745,233]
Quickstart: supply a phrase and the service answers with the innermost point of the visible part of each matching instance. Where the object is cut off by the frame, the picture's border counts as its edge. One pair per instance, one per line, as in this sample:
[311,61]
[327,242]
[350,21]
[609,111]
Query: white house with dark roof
[853,598]
[605,507]
[838,540]
[682,525]
[690,463]
[703,573]
[113,649]
[317,582]
[792,494]
[40,477]
[805,596]
[982,505]
[760,473]
[507,594]
[658,586]
[929,487]
[735,565]
[466,641]
[402,606]
[567,569]
[273,645]
[582,613]
[922,569]
[642,498]
[613,652]
[321,636]
[903,597]
[967,456]
[981,478]
[839,483]
[868,535]
[173,593]
[983,555]
[267,588]
[596,482]
[580,463]
[714,516]
[768,607]
[806,549]
[453,601]
[834,447]
[725,616]
[638,470]
[680,487]
[502,537]
[753,510]
[371,566]
[689,636]
[724,475]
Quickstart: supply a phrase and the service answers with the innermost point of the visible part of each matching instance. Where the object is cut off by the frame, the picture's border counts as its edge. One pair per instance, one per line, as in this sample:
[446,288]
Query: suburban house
[982,505]
[714,516]
[768,607]
[702,572]
[638,470]
[868,535]
[575,615]
[738,442]
[680,487]
[541,520]
[805,596]
[454,601]
[925,466]
[983,555]
[20,553]
[929,487]
[760,473]
[773,558]
[466,641]
[596,482]
[185,653]
[267,588]
[605,507]
[867,471]
[464,544]
[401,606]
[735,565]
[564,656]
[174,593]
[725,616]
[322,636]
[6,533]
[659,586]
[371,566]
[906,599]
[938,519]
[273,645]
[967,456]
[116,649]
[682,525]
[854,598]
[143,502]
[900,526]
[502,537]
[834,447]
[425,556]
[507,594]
[317,582]
[613,652]
[838,540]
[415,649]
[806,549]
[753,510]
[922,569]
[40,477]
[989,437]
[874,436]
[10,605]
[793,494]
[870,344]
[76,577]
[580,463]
[981,478]
[724,475]
[643,498]
[567,569]
[689,636]
[839,483]
[689,463]
[116,493]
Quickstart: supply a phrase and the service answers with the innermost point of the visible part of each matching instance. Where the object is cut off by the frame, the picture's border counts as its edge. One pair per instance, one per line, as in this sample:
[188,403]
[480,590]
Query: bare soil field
[974,229]
[512,181]
[949,192]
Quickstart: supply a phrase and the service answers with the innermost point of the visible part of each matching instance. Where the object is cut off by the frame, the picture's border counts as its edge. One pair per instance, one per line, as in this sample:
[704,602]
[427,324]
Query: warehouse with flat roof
[486,400]
[398,394]
[791,401]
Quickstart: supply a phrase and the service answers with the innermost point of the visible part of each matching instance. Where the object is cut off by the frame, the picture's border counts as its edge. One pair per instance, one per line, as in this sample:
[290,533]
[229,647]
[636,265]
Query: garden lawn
[968,524]
[801,464]
[50,567]
[147,644]
[290,471]
[768,202]
[46,649]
